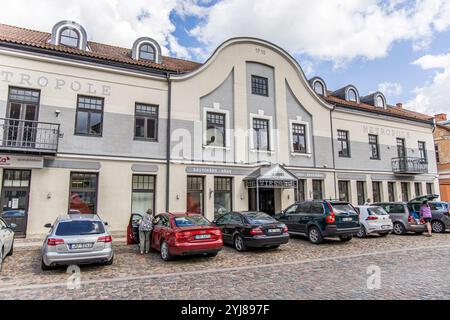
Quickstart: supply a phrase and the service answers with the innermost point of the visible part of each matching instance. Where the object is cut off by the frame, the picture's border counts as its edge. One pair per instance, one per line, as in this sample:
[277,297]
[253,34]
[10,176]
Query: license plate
[273,230]
[347,219]
[202,236]
[385,227]
[76,246]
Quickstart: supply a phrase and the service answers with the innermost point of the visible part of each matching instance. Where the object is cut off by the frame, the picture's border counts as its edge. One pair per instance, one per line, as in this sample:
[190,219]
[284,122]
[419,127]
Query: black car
[251,229]
[320,219]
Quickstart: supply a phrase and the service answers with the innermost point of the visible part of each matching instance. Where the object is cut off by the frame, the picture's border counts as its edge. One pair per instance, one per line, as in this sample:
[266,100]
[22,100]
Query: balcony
[409,165]
[28,136]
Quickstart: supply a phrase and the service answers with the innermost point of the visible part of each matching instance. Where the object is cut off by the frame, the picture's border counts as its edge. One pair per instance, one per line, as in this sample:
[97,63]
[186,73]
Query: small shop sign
[21,162]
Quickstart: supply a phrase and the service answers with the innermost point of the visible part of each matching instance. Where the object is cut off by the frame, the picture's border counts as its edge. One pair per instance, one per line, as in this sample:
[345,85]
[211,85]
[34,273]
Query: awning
[271,176]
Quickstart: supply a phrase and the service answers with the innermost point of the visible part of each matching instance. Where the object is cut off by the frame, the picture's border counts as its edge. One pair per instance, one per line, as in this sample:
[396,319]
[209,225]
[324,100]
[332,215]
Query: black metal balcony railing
[29,136]
[409,165]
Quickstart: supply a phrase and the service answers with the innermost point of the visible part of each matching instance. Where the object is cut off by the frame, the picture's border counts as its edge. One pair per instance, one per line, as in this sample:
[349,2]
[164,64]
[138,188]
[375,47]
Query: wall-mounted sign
[218,170]
[21,162]
[311,175]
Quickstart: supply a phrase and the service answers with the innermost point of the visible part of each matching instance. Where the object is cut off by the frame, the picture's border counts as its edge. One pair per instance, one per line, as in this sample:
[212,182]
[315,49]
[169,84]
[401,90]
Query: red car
[179,234]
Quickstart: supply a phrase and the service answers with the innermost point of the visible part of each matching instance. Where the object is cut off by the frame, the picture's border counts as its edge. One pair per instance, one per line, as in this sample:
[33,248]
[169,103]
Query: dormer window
[380,102]
[351,95]
[318,88]
[69,37]
[147,52]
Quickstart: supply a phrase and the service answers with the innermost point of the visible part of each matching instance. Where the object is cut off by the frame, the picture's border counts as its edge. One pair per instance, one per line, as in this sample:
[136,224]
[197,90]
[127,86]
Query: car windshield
[259,218]
[343,208]
[376,211]
[191,221]
[76,228]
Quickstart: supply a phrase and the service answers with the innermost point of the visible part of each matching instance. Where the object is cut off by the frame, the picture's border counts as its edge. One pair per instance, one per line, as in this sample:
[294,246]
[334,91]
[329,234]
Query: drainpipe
[332,147]
[169,118]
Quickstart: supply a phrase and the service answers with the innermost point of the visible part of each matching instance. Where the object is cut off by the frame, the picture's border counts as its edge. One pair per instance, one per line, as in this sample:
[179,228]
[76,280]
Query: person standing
[145,231]
[425,214]
[368,202]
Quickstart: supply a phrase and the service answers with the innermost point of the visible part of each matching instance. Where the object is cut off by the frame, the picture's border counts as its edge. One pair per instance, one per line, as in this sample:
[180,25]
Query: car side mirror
[48,225]
[13,226]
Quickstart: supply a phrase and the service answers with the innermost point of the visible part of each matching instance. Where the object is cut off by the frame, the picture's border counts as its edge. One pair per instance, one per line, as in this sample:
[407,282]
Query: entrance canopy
[271,176]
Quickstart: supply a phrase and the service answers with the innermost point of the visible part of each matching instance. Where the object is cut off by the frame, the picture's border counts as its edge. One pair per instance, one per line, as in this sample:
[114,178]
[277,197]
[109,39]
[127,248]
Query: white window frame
[69,26]
[299,120]
[261,115]
[216,109]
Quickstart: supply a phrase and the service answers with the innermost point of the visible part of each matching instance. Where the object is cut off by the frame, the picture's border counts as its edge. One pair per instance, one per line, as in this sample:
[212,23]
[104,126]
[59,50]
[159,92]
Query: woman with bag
[145,231]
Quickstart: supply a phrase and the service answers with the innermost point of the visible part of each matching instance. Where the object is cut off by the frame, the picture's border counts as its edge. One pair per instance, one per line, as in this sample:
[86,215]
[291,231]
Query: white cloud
[390,89]
[337,30]
[434,96]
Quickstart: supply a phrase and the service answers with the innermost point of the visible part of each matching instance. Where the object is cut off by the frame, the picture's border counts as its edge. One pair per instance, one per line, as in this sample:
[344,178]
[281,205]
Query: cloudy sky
[401,47]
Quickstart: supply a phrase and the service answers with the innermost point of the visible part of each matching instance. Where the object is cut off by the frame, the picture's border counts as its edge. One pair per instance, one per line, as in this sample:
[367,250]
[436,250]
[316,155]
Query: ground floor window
[430,188]
[391,191]
[317,189]
[223,190]
[343,191]
[83,192]
[195,194]
[143,193]
[361,192]
[376,191]
[405,191]
[300,195]
[418,188]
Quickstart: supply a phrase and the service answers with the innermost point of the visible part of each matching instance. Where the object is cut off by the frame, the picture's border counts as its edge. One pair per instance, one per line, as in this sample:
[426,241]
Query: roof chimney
[440,117]
[399,105]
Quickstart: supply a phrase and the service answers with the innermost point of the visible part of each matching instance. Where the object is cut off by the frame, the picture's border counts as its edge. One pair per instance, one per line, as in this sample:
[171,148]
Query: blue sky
[400,46]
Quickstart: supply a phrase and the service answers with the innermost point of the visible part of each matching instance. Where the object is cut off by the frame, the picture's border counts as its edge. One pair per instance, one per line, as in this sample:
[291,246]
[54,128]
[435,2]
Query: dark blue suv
[321,219]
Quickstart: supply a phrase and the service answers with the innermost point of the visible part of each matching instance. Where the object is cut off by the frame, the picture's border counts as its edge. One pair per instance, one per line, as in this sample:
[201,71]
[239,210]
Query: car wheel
[165,254]
[383,234]
[314,235]
[11,251]
[346,238]
[437,226]
[44,267]
[239,244]
[399,229]
[110,262]
[362,232]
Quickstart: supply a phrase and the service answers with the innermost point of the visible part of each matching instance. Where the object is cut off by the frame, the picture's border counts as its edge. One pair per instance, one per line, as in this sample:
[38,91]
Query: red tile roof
[38,39]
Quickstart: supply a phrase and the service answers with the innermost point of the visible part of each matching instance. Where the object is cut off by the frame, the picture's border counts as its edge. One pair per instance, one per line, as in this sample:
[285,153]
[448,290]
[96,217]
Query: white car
[6,240]
[374,219]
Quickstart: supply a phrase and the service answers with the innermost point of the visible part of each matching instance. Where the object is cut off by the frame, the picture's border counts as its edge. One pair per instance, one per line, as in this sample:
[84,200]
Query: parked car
[77,239]
[179,234]
[440,212]
[321,219]
[250,229]
[374,220]
[6,240]
[405,215]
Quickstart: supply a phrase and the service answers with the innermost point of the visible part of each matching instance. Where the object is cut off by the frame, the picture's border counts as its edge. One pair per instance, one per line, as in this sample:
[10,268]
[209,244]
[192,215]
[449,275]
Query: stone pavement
[411,266]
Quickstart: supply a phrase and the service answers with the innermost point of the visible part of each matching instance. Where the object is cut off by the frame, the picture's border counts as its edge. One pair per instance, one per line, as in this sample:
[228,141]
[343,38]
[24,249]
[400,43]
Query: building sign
[386,131]
[217,170]
[21,162]
[311,175]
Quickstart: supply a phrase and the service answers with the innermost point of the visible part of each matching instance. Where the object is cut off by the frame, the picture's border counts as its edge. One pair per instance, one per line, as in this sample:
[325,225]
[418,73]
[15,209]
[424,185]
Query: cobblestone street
[412,267]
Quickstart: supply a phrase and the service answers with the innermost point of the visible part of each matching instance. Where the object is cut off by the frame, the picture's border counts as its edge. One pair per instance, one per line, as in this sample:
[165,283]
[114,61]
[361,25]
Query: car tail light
[105,239]
[285,230]
[216,232]
[372,218]
[256,231]
[54,241]
[331,218]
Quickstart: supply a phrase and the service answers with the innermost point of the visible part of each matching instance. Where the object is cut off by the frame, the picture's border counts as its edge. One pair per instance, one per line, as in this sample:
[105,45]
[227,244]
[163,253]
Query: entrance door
[14,199]
[267,201]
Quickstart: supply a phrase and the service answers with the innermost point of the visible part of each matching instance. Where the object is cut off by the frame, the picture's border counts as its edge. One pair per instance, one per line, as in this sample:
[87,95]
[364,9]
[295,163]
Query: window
[422,151]
[391,191]
[260,86]
[143,193]
[430,188]
[418,188]
[215,129]
[69,37]
[436,151]
[299,137]
[83,192]
[89,116]
[146,122]
[300,194]
[343,191]
[318,88]
[361,192]
[147,52]
[195,194]
[343,144]
[374,148]
[317,189]
[223,188]
[352,95]
[405,191]
[379,102]
[376,191]
[401,151]
[261,134]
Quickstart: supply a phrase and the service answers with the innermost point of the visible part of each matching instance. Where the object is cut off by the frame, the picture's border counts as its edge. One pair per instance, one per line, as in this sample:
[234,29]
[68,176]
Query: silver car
[6,240]
[77,239]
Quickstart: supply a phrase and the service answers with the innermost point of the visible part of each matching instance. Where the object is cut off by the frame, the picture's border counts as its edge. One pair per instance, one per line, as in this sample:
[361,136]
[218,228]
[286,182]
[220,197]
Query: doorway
[15,198]
[266,200]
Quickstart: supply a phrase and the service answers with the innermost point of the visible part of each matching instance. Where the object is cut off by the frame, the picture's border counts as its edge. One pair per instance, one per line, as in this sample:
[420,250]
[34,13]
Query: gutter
[336,192]
[169,128]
